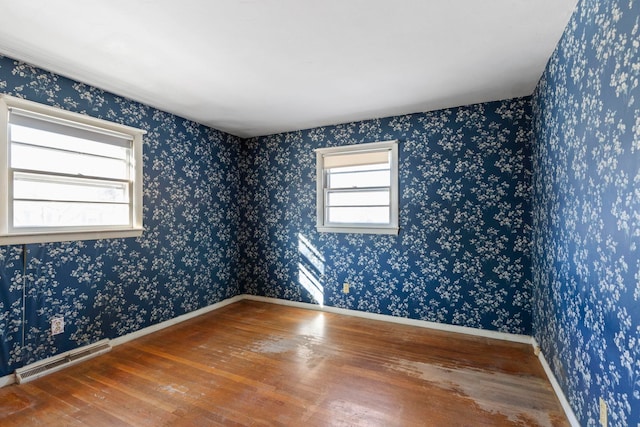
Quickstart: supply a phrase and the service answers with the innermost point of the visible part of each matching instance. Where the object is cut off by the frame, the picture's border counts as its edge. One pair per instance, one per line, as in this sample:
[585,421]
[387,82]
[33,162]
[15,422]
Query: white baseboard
[11,379]
[162,325]
[7,380]
[61,361]
[571,416]
[524,339]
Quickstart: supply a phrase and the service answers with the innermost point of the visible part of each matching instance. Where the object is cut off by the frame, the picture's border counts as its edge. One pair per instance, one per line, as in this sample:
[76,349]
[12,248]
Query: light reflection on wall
[311,269]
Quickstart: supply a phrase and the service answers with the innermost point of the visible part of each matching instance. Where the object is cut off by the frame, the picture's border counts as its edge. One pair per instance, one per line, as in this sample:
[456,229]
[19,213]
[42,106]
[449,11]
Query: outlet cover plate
[603,413]
[57,325]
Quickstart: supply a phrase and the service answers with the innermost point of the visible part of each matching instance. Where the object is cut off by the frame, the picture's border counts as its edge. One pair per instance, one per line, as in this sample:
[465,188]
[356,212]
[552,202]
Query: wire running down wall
[186,258]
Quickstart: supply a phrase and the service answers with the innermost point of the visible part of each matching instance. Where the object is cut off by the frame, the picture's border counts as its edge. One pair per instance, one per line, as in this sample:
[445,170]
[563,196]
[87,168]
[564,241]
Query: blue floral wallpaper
[463,252]
[225,216]
[586,211]
[520,216]
[186,259]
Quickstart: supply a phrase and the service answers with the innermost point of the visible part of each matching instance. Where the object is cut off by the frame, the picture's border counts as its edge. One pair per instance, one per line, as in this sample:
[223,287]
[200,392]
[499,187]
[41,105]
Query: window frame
[321,189]
[9,234]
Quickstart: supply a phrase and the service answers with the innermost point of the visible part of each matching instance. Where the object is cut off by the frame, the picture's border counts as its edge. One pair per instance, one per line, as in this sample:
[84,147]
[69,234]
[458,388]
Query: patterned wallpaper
[586,211]
[494,229]
[186,259]
[462,255]
[463,252]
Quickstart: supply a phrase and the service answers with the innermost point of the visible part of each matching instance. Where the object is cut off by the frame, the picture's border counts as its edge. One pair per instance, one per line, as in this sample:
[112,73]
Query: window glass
[67,176]
[358,188]
[367,178]
[359,198]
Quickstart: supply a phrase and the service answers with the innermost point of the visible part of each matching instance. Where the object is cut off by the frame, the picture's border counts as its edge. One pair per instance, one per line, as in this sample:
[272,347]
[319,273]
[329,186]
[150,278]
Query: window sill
[27,238]
[360,230]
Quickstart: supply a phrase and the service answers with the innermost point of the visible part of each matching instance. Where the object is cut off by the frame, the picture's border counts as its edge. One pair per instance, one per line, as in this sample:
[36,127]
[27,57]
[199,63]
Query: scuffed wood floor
[258,364]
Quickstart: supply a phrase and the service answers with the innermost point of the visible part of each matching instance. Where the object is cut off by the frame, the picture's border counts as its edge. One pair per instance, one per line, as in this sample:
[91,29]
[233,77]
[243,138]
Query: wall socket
[345,288]
[57,325]
[603,412]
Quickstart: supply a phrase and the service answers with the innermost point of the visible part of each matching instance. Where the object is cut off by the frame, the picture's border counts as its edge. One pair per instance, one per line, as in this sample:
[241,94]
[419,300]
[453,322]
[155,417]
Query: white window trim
[392,227]
[9,236]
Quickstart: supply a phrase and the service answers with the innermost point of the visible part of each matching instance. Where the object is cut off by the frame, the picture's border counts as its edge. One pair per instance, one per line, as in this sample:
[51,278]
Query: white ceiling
[257,67]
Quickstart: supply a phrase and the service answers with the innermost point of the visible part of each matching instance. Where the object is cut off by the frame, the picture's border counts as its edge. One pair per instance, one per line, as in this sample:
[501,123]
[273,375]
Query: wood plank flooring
[259,364]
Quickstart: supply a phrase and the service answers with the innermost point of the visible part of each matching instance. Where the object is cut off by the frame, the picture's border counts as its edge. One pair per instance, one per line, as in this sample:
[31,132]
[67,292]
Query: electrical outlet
[345,288]
[57,325]
[603,412]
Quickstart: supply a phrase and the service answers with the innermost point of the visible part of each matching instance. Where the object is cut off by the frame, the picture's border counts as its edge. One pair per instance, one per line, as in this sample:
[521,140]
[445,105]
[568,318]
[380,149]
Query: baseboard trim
[7,380]
[523,339]
[11,379]
[179,319]
[61,361]
[566,406]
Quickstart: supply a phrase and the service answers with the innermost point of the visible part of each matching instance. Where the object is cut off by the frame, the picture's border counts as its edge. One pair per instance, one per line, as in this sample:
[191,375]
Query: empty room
[323,213]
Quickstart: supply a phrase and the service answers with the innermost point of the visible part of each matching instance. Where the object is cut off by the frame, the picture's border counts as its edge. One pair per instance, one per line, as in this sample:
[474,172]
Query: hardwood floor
[258,364]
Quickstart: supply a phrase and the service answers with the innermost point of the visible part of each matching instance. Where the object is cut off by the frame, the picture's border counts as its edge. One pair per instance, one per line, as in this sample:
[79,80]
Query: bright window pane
[68,214]
[377,178]
[50,160]
[65,142]
[68,176]
[358,188]
[358,198]
[360,168]
[354,215]
[43,187]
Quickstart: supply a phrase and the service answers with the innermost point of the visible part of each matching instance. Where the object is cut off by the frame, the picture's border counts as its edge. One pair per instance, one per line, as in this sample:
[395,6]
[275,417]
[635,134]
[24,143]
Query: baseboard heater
[61,361]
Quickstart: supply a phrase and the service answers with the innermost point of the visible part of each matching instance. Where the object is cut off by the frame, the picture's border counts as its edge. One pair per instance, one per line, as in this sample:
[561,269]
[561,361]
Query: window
[357,188]
[66,176]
